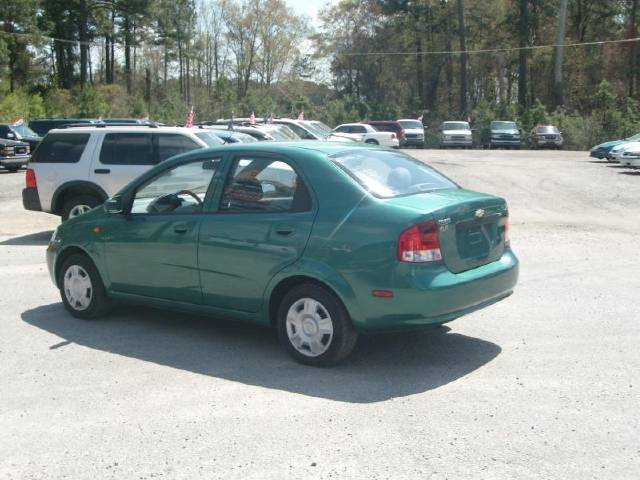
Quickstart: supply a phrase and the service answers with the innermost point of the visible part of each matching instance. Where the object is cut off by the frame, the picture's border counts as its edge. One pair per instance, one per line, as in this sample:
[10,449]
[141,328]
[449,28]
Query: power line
[490,50]
[369,54]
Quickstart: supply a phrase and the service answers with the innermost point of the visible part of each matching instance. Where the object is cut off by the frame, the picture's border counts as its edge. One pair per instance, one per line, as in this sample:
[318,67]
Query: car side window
[173,144]
[178,190]
[60,148]
[258,185]
[342,129]
[358,129]
[127,149]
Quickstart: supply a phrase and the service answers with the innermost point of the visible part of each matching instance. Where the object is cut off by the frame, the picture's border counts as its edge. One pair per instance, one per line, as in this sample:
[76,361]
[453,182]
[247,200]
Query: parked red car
[390,126]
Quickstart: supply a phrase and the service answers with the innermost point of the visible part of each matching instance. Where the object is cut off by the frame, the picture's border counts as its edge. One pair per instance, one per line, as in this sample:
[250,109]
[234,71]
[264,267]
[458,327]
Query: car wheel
[79,205]
[81,288]
[314,326]
[372,142]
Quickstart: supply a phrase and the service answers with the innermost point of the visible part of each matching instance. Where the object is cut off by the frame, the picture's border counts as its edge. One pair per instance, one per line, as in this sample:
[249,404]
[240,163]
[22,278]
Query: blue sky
[309,7]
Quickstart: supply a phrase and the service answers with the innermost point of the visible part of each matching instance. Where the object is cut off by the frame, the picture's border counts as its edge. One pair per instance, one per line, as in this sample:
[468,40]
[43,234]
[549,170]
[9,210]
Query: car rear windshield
[391,174]
[547,129]
[210,139]
[455,126]
[60,148]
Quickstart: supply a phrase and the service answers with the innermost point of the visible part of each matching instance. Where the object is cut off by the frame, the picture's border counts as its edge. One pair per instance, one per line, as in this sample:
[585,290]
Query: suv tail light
[401,133]
[420,243]
[7,151]
[507,240]
[393,135]
[31,178]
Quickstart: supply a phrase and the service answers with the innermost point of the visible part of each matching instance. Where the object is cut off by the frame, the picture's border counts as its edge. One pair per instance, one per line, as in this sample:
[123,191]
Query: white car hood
[414,130]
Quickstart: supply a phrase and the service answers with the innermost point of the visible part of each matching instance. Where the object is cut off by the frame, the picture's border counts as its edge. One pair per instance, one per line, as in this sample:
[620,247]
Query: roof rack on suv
[103,125]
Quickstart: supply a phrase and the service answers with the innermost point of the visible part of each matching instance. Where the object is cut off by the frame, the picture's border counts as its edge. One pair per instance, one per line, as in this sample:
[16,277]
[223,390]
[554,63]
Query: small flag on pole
[252,119]
[189,122]
[301,116]
[18,122]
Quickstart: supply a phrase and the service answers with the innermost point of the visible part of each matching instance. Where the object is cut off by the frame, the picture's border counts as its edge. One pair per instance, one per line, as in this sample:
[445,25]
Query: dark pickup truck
[14,154]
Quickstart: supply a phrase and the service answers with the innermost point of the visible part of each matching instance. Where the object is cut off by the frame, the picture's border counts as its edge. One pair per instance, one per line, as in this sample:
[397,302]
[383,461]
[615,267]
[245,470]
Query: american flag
[18,122]
[301,116]
[189,122]
[252,119]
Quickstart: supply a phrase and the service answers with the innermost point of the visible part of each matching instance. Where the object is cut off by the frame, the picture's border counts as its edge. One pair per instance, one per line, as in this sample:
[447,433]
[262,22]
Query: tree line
[363,59]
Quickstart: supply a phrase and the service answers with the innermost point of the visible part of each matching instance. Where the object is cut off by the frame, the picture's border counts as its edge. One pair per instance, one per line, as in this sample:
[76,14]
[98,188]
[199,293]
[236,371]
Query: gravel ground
[543,385]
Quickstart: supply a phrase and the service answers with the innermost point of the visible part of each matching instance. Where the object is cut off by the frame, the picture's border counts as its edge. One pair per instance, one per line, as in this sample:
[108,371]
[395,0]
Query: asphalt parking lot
[543,385]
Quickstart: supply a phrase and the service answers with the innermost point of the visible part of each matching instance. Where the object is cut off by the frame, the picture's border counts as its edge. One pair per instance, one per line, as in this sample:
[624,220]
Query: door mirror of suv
[113,205]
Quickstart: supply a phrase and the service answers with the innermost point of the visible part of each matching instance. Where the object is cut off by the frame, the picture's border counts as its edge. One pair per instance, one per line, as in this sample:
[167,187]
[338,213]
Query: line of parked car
[625,151]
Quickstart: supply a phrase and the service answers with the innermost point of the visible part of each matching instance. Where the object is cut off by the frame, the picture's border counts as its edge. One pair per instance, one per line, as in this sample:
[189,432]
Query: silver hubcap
[79,210]
[309,327]
[77,287]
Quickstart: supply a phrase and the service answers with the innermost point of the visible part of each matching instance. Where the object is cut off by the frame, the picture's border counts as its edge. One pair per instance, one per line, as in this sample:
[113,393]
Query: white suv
[76,169]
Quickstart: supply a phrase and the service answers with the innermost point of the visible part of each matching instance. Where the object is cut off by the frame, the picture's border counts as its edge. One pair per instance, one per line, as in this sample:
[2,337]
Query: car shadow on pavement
[633,173]
[382,366]
[40,238]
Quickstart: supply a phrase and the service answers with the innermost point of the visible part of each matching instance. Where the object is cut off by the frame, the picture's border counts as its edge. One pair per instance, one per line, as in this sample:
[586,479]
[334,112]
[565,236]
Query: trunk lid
[471,225]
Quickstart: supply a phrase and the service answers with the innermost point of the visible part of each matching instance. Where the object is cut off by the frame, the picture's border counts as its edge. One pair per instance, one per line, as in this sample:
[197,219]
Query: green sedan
[323,241]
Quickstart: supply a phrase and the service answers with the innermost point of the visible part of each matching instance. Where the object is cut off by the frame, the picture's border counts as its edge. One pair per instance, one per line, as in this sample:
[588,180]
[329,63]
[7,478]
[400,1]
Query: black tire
[99,303]
[372,142]
[12,169]
[73,202]
[344,336]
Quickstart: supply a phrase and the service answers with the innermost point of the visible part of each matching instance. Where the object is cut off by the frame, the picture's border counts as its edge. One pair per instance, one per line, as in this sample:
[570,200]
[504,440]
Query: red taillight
[401,134]
[420,244]
[507,241]
[31,178]
[7,151]
[393,135]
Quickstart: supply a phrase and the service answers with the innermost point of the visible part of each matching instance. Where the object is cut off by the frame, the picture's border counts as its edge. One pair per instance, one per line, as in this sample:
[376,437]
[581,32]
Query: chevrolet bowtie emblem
[480,213]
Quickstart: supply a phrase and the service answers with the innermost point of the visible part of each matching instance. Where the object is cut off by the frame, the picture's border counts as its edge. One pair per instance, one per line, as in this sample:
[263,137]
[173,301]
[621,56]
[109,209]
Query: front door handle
[102,170]
[180,228]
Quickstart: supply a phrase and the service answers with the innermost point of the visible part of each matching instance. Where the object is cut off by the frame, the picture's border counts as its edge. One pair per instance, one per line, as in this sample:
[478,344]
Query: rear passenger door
[122,157]
[262,223]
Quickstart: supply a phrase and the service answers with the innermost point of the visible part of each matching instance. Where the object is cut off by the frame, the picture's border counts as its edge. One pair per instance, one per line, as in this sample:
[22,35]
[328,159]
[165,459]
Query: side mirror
[113,205]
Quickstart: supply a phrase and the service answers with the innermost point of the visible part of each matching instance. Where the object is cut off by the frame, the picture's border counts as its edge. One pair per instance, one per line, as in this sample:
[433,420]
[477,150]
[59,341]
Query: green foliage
[20,103]
[57,103]
[89,103]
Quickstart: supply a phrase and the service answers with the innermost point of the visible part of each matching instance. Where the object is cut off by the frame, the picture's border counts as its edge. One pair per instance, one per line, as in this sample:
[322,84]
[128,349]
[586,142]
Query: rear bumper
[31,199]
[426,295]
[17,161]
[632,162]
